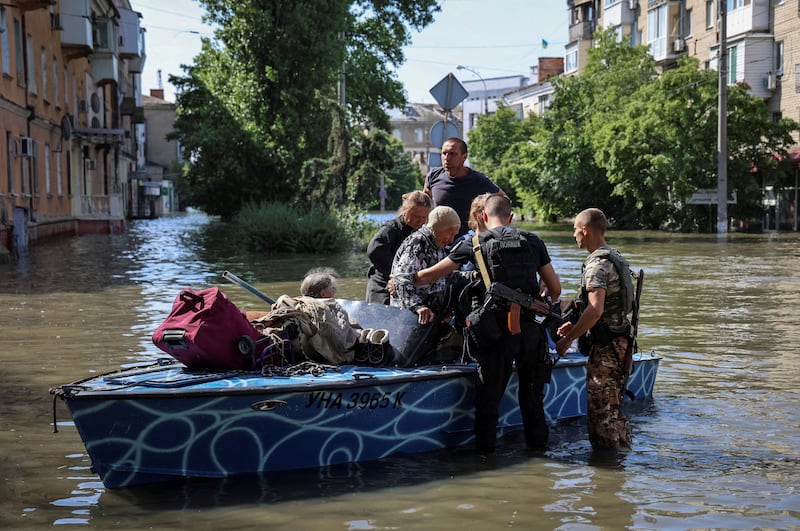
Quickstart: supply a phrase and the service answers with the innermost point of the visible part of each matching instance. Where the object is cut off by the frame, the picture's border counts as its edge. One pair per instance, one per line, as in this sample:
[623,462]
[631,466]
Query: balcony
[580,31]
[76,21]
[30,5]
[619,13]
[105,67]
[131,36]
[753,17]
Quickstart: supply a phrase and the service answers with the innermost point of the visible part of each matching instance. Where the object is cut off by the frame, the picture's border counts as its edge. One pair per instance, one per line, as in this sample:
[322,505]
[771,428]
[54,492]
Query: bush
[280,228]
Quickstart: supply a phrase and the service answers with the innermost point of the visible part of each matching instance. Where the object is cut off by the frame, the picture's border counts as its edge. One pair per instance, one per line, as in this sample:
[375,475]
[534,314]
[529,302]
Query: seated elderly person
[420,250]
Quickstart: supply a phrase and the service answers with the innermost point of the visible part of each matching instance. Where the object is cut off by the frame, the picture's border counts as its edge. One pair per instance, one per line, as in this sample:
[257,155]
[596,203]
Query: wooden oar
[252,289]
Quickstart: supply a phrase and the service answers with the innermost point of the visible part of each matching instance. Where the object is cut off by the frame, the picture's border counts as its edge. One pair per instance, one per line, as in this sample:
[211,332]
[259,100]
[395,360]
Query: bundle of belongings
[322,331]
[205,330]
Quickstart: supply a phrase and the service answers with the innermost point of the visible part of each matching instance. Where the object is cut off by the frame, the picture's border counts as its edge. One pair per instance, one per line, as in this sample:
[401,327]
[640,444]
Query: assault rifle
[529,302]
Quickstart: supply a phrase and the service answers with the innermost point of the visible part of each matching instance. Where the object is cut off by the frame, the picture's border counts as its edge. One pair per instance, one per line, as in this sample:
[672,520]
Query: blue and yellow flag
[544,43]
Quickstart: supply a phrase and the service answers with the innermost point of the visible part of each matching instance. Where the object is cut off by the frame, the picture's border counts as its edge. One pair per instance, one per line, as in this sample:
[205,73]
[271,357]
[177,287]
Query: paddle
[252,289]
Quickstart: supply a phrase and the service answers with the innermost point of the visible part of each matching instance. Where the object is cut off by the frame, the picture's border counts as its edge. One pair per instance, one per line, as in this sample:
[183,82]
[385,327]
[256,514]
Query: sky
[493,38]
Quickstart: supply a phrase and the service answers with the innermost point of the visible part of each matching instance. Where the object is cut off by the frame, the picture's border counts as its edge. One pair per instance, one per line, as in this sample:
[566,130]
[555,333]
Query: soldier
[605,299]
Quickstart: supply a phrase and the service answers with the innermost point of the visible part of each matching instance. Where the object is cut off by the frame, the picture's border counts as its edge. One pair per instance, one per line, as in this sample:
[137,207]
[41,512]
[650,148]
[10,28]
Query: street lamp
[485,91]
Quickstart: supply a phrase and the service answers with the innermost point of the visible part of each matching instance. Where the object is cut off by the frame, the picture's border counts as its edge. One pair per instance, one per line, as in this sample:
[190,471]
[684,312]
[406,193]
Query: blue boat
[166,421]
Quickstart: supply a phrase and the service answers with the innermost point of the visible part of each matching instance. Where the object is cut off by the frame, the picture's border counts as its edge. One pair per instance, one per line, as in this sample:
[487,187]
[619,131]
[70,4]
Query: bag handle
[191,302]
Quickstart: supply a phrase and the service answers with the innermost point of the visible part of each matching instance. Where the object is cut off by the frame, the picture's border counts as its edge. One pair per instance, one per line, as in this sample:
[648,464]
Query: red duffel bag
[205,330]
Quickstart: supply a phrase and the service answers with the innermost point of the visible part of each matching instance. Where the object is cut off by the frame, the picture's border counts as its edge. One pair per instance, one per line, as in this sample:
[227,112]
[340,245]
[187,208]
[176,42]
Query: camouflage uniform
[605,371]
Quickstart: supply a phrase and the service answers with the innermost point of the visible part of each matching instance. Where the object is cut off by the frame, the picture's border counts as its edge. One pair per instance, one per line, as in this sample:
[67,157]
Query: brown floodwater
[716,448]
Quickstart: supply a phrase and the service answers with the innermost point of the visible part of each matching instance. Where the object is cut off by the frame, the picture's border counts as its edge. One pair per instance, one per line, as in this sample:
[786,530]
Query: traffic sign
[449,92]
[441,131]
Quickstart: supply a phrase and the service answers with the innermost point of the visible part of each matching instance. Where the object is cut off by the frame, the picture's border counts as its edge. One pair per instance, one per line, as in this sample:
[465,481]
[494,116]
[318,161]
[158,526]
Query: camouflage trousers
[605,377]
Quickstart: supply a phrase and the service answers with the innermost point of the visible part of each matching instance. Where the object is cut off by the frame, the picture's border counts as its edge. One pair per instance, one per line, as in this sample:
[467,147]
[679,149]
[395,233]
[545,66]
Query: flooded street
[718,447]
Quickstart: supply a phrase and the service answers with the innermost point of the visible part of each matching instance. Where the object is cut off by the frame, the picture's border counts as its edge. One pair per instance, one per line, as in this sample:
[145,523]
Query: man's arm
[590,315]
[551,281]
[431,274]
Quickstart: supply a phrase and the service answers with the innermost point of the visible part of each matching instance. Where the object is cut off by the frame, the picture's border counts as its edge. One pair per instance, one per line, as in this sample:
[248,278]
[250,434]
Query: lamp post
[485,91]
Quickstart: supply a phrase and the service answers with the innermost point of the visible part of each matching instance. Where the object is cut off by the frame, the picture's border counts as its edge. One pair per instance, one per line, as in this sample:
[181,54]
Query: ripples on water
[717,448]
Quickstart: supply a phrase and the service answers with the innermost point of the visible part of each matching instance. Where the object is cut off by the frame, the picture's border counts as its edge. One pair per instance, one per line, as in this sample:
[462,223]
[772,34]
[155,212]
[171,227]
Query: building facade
[70,108]
[416,126]
[762,40]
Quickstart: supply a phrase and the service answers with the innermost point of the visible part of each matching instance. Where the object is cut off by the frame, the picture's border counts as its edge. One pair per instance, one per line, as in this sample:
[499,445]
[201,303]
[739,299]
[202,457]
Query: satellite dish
[66,127]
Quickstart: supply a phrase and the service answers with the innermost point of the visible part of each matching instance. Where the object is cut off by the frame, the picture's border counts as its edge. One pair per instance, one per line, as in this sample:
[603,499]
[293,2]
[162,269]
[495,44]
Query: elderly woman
[412,215]
[422,249]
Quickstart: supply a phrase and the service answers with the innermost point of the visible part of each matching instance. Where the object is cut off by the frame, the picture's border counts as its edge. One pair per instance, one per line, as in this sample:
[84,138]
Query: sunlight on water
[716,448]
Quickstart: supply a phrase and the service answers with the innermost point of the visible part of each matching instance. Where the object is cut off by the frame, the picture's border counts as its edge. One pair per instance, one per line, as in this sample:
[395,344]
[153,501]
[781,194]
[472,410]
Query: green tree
[379,156]
[255,106]
[623,138]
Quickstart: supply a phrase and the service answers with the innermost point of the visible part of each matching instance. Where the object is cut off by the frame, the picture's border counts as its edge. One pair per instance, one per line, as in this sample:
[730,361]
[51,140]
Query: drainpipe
[31,114]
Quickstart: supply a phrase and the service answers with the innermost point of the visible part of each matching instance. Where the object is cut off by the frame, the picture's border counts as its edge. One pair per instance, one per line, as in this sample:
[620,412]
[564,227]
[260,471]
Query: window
[657,31]
[47,169]
[59,190]
[732,64]
[55,82]
[544,103]
[710,14]
[18,54]
[44,74]
[687,28]
[737,4]
[571,59]
[779,58]
[10,161]
[35,167]
[4,41]
[32,69]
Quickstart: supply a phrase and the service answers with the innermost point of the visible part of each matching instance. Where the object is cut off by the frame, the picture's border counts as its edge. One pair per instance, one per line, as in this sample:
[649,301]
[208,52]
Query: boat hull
[151,424]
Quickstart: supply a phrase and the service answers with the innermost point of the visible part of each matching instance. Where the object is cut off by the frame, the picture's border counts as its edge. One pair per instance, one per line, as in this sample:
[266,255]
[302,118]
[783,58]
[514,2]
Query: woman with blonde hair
[413,213]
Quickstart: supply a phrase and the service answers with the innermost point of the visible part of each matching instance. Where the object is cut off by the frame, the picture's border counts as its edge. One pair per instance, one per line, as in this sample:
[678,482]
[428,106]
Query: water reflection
[717,448]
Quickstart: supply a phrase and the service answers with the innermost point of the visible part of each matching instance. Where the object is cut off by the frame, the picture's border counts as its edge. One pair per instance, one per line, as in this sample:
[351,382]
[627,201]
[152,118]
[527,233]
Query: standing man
[455,185]
[519,260]
[603,312]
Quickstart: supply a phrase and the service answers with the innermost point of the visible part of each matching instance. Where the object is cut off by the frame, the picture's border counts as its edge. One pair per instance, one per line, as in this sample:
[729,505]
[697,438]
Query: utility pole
[722,123]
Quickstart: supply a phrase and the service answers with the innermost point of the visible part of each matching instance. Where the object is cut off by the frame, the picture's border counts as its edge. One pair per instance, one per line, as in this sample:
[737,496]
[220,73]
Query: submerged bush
[280,228]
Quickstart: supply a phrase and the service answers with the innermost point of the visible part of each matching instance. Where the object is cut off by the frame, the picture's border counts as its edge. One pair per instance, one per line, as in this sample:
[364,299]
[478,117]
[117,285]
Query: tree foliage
[257,111]
[635,142]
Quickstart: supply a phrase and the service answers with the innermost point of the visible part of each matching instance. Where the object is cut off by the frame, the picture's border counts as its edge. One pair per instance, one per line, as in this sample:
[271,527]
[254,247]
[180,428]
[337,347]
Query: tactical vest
[510,259]
[620,302]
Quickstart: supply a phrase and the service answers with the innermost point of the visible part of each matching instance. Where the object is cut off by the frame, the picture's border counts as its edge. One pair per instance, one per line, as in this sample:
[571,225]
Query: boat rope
[307,367]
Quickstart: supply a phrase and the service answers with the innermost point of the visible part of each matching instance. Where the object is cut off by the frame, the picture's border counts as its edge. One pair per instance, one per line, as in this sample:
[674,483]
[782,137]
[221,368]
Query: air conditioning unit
[83,106]
[26,146]
[91,164]
[770,82]
[678,45]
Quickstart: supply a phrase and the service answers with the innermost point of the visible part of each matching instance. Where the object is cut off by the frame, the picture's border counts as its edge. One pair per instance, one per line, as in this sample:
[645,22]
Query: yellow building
[70,108]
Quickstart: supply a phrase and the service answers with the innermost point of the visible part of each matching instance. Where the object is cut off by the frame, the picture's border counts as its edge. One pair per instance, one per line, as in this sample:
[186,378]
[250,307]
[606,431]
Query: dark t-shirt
[458,192]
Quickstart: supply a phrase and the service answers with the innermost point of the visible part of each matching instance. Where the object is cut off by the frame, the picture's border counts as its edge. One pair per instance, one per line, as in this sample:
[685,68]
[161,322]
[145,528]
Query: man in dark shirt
[456,185]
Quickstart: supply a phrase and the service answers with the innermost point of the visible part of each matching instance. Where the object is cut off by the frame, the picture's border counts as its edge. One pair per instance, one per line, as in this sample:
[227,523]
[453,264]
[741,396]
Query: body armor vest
[510,259]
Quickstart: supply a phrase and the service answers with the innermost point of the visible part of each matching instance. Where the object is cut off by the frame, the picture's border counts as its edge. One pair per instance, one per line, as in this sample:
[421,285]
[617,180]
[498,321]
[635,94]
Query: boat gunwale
[350,380]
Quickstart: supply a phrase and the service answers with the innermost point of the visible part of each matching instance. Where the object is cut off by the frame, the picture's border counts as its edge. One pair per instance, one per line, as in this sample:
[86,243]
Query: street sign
[434,159]
[708,196]
[441,131]
[449,92]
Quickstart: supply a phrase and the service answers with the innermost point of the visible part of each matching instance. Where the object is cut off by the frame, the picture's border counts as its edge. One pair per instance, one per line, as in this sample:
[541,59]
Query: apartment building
[763,40]
[70,116]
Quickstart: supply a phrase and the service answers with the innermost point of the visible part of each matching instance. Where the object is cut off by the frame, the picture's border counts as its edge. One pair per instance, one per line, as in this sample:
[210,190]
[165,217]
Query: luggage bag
[205,330]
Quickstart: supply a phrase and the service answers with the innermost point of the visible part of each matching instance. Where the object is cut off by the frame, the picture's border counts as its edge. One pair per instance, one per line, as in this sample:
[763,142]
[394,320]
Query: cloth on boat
[323,331]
